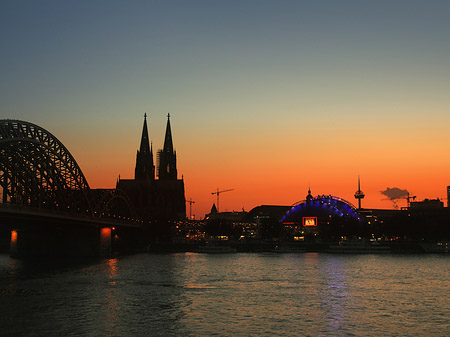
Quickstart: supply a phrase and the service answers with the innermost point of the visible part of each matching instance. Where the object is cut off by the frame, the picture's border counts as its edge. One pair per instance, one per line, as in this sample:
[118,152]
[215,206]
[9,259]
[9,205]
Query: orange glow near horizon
[266,187]
[309,94]
[278,170]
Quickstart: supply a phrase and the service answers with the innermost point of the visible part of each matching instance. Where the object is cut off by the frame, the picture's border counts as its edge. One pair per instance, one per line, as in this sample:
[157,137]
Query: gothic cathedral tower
[167,157]
[145,170]
[155,199]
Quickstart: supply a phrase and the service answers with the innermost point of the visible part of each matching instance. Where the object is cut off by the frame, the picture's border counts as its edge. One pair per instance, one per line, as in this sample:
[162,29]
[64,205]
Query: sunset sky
[266,97]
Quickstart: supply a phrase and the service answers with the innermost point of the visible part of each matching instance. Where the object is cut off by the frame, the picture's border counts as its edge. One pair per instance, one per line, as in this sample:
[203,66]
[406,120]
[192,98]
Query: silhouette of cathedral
[156,199]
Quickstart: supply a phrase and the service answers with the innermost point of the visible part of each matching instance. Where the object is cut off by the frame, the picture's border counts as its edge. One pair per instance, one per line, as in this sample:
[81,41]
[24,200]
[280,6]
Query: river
[248,294]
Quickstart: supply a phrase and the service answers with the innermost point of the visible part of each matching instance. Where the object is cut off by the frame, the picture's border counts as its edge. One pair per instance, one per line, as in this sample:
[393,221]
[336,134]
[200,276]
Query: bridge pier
[13,248]
[105,242]
[24,233]
[22,241]
[26,241]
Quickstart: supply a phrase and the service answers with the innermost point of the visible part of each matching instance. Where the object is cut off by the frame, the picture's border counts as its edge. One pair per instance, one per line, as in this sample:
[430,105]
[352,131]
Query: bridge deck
[10,214]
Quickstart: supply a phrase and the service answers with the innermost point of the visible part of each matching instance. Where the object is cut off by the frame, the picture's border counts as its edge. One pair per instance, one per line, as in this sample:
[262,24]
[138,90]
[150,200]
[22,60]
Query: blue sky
[239,78]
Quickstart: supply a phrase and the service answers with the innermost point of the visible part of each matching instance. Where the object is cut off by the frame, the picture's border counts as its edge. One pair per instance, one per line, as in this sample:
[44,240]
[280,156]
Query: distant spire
[144,157]
[168,144]
[309,197]
[213,209]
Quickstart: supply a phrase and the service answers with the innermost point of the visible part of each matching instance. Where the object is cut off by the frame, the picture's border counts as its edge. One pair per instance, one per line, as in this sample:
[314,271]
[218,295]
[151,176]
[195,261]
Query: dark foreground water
[227,295]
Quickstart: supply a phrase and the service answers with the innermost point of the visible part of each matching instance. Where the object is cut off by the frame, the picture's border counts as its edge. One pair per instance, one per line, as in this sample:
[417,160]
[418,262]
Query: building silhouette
[160,198]
[448,196]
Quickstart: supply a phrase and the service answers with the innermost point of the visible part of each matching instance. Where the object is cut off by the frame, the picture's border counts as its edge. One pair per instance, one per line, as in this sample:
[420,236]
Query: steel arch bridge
[112,203]
[37,170]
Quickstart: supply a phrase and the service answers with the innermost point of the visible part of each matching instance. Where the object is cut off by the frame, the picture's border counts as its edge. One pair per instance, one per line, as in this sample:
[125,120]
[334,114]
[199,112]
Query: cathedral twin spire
[145,170]
[167,157]
[168,145]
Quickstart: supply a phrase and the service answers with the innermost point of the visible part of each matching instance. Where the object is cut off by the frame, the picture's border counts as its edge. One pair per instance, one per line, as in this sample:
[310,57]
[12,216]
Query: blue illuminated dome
[322,207]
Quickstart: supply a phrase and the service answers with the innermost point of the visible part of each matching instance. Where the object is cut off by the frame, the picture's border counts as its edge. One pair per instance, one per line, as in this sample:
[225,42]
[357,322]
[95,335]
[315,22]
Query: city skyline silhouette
[267,99]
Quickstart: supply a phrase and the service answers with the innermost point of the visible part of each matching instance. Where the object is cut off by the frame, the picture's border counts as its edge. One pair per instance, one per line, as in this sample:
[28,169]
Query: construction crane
[190,201]
[218,193]
[408,198]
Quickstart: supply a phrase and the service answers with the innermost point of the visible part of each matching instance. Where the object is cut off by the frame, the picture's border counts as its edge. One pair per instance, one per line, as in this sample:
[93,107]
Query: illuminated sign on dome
[309,221]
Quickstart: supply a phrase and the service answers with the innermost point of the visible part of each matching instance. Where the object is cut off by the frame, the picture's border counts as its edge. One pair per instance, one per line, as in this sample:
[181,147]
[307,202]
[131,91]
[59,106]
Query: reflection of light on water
[312,262]
[189,255]
[199,286]
[13,267]
[111,307]
[335,299]
[112,264]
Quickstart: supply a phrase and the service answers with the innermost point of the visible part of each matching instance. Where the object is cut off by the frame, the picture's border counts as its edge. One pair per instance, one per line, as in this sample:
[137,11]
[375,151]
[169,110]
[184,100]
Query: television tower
[359,194]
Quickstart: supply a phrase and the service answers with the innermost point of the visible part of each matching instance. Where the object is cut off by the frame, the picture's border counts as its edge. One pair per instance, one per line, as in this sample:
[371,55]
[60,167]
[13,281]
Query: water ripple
[232,295]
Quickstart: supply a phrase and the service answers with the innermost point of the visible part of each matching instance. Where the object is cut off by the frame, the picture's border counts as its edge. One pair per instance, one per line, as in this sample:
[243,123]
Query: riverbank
[403,247]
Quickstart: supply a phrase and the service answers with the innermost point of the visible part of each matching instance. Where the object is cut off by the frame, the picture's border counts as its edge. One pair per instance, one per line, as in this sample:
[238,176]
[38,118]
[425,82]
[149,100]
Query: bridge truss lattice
[37,170]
